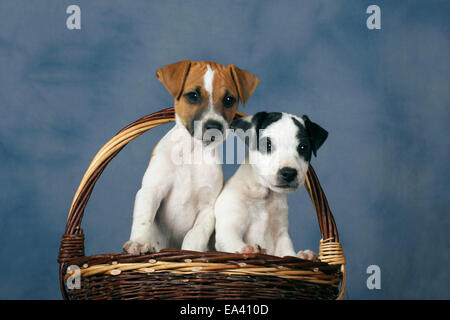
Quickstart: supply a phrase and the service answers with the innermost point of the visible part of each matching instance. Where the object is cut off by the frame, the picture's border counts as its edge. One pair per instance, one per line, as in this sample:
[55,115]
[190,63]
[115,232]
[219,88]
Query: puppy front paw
[252,249]
[134,247]
[307,255]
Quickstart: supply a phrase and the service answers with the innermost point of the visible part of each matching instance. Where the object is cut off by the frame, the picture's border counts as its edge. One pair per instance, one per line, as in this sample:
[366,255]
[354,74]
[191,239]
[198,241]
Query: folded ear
[243,128]
[246,83]
[243,123]
[316,133]
[173,76]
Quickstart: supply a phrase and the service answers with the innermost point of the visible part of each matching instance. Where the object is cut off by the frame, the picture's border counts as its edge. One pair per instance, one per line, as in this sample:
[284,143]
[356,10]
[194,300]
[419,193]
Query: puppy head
[207,95]
[280,147]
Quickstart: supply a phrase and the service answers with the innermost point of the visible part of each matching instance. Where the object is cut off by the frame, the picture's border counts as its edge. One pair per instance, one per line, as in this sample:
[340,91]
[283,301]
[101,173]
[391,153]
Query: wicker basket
[180,274]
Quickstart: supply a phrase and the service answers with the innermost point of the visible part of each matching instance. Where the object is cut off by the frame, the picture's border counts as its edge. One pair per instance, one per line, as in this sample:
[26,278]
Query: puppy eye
[265,145]
[228,101]
[192,97]
[302,148]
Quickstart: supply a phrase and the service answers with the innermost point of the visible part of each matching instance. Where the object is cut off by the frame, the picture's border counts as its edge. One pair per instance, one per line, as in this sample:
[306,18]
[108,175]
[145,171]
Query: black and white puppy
[251,211]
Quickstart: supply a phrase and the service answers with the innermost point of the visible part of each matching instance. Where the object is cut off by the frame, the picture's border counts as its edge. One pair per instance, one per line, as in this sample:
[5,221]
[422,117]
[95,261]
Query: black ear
[242,128]
[242,123]
[258,119]
[316,133]
[258,122]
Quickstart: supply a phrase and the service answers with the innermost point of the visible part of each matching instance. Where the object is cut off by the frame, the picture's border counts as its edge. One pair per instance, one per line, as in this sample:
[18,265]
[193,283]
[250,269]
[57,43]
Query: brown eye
[192,97]
[228,101]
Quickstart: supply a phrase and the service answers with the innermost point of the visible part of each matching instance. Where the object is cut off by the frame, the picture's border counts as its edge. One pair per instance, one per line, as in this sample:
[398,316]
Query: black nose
[213,124]
[288,174]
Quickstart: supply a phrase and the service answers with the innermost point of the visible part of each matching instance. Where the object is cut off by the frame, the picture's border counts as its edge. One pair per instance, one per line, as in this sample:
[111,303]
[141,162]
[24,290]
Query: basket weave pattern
[181,274]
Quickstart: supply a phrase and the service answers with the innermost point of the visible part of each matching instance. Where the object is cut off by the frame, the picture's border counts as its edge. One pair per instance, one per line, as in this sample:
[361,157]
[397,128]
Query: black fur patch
[240,124]
[303,139]
[311,133]
[317,133]
[262,120]
[244,125]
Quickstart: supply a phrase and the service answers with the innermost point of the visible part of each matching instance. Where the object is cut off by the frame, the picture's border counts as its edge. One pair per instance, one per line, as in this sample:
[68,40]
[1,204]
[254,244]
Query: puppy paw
[134,247]
[252,249]
[307,255]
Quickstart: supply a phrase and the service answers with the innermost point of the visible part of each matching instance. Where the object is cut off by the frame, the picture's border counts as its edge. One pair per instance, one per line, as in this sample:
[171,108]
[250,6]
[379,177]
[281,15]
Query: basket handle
[72,243]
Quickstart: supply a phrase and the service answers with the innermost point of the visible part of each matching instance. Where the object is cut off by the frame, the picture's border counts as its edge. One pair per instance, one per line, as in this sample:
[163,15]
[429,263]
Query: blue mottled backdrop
[382,94]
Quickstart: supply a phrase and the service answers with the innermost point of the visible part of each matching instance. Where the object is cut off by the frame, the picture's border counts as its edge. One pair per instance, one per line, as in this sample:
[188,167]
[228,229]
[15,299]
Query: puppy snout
[212,128]
[288,174]
[213,124]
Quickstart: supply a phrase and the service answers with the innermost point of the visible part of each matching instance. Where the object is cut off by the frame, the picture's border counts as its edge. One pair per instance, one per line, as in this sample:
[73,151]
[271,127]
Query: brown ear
[245,82]
[173,76]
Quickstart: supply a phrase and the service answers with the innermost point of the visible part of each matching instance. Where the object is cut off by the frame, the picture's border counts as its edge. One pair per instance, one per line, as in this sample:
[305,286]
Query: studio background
[383,95]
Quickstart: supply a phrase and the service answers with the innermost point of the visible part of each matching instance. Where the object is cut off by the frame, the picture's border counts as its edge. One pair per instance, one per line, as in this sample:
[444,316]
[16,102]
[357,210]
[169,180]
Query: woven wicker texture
[180,274]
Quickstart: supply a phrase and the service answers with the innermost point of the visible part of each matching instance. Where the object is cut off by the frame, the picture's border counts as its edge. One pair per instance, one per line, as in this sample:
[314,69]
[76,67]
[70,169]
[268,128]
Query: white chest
[266,218]
[197,181]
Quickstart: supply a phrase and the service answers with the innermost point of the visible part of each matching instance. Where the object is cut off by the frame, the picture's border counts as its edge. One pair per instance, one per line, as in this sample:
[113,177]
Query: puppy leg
[155,186]
[231,224]
[142,238]
[233,243]
[197,238]
[284,246]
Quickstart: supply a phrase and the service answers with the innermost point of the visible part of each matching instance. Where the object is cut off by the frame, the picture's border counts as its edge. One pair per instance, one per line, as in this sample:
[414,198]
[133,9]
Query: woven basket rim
[184,262]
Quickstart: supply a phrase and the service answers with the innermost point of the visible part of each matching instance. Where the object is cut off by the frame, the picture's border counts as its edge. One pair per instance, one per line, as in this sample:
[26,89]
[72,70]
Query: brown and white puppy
[175,206]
